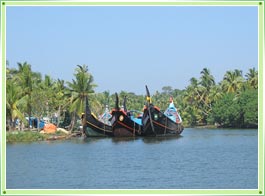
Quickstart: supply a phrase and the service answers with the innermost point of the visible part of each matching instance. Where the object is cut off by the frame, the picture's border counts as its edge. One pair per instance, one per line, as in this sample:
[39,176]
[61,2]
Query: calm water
[201,158]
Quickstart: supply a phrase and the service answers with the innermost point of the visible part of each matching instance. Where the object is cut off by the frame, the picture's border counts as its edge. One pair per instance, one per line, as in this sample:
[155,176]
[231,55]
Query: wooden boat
[123,123]
[92,127]
[157,123]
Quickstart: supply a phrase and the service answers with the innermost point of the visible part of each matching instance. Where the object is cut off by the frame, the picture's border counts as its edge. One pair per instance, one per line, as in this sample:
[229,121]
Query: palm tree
[215,93]
[252,78]
[60,98]
[13,100]
[207,80]
[80,88]
[24,80]
[207,85]
[233,81]
[106,97]
[47,86]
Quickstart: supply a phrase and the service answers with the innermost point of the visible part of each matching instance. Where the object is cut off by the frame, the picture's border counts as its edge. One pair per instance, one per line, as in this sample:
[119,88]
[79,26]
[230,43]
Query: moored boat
[123,123]
[157,123]
[92,127]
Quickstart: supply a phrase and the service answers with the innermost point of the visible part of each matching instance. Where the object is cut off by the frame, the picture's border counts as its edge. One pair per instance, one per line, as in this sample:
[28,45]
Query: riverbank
[202,127]
[33,136]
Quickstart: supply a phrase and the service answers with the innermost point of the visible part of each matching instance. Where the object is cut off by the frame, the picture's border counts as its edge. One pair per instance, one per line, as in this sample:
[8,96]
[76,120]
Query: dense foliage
[233,102]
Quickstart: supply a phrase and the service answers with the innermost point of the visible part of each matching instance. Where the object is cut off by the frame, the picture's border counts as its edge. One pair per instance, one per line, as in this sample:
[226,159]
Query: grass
[29,136]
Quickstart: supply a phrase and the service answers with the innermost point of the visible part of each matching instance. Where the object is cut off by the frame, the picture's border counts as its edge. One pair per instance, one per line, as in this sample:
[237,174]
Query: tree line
[233,102]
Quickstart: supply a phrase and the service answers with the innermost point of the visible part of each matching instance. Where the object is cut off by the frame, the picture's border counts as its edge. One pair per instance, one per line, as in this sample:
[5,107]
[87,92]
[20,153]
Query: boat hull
[123,126]
[95,128]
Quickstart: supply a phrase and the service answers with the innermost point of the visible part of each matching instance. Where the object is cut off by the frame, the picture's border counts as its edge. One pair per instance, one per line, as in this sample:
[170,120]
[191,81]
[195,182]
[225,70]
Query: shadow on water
[94,139]
[117,140]
[125,139]
[160,139]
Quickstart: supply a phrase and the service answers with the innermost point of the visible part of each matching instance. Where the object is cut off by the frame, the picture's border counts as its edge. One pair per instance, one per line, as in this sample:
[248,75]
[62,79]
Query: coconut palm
[80,87]
[252,78]
[215,93]
[26,79]
[233,81]
[207,80]
[60,98]
[13,100]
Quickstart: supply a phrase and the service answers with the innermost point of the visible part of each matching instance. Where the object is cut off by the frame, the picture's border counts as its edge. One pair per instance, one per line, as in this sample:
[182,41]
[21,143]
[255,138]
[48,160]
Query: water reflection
[153,140]
[117,140]
[94,139]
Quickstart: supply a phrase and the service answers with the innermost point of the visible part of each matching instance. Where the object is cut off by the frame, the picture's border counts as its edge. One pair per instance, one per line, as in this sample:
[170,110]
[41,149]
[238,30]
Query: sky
[128,47]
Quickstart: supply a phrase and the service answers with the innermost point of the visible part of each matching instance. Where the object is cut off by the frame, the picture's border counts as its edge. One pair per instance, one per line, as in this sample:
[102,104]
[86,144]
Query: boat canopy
[137,120]
[172,113]
[105,116]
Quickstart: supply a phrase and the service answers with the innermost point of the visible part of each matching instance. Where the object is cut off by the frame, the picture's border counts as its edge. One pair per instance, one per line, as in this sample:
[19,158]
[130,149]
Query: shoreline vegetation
[35,136]
[231,103]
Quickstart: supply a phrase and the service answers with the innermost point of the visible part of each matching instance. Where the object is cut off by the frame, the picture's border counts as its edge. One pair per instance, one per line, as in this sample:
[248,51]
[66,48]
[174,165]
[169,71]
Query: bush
[232,111]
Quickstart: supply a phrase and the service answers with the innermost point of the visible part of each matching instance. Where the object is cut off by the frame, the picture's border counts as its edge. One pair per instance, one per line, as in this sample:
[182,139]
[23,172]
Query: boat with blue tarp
[124,124]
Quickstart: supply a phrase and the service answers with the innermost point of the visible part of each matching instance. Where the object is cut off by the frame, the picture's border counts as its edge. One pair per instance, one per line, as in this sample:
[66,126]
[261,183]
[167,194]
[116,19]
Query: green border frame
[259,191]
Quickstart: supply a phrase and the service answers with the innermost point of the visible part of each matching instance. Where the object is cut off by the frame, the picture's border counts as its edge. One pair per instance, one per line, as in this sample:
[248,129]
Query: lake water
[199,159]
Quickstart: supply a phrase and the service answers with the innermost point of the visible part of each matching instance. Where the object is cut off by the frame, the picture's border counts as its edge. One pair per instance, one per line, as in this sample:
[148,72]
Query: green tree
[248,102]
[61,98]
[167,90]
[39,99]
[25,78]
[252,78]
[206,79]
[233,81]
[13,100]
[80,87]
[226,112]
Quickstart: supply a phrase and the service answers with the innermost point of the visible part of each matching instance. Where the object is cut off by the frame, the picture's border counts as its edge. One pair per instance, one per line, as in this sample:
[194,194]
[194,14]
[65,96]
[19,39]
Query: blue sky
[128,47]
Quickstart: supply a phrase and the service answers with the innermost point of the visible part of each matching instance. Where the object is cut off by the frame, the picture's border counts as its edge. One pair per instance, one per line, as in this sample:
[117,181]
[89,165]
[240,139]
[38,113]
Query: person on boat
[171,104]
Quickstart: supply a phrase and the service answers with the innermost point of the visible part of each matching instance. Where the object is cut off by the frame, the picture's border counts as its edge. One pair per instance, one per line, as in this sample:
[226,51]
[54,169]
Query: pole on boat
[148,98]
[117,102]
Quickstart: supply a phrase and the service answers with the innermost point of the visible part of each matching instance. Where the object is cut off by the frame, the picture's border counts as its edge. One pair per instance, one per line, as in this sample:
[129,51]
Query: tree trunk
[38,124]
[72,124]
[29,110]
[59,115]
[9,124]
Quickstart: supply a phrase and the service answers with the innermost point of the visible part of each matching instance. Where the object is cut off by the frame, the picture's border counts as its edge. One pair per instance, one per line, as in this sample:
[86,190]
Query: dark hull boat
[156,123]
[92,127]
[123,124]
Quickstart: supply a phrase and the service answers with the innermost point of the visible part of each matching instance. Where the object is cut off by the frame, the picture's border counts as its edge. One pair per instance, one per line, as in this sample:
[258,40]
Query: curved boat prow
[148,97]
[117,102]
[92,127]
[87,110]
